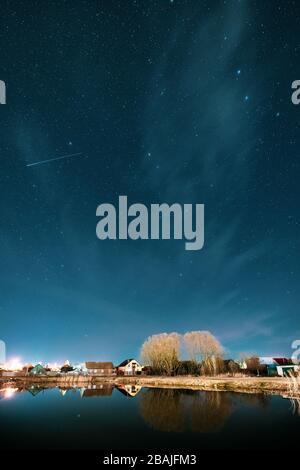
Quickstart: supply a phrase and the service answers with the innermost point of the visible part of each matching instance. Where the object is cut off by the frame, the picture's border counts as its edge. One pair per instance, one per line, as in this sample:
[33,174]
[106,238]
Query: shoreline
[267,385]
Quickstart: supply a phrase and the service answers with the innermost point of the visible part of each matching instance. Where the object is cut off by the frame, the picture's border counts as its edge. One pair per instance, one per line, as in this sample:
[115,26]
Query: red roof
[282,361]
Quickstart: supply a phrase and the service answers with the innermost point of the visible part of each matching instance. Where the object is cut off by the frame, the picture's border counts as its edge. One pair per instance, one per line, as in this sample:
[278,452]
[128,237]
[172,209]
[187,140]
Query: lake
[109,418]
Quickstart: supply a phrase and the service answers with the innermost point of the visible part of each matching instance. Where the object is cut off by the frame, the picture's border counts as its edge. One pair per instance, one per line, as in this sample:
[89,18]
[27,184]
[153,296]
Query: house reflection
[129,390]
[34,390]
[103,391]
[181,410]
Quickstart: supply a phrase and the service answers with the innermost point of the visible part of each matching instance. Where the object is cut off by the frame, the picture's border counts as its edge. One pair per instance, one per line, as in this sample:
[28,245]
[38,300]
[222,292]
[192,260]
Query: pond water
[132,418]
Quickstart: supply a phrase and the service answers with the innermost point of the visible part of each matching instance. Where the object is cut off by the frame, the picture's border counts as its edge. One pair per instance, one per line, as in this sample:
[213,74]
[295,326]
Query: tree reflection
[162,409]
[179,410]
[259,400]
[208,411]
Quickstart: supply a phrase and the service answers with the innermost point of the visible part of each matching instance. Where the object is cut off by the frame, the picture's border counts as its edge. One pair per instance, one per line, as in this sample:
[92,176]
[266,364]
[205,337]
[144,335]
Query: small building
[27,368]
[66,368]
[277,366]
[80,369]
[10,373]
[38,370]
[100,368]
[288,370]
[129,367]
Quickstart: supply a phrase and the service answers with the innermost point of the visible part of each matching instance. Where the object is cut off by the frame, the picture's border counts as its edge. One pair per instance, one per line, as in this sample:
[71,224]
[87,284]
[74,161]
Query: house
[276,361]
[277,365]
[27,368]
[38,370]
[129,367]
[10,373]
[100,368]
[80,369]
[66,368]
[288,370]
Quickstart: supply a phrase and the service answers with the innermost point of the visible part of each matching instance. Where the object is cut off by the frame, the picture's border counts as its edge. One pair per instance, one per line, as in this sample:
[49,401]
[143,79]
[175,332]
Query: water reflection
[293,393]
[208,412]
[168,410]
[8,392]
[34,390]
[258,400]
[129,390]
[93,417]
[98,392]
[295,406]
[178,410]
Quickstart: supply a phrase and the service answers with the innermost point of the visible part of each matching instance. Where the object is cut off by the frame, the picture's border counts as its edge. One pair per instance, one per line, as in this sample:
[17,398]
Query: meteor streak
[56,158]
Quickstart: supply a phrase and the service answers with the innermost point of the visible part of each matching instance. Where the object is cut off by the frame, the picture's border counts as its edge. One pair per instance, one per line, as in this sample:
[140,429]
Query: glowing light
[14,364]
[8,392]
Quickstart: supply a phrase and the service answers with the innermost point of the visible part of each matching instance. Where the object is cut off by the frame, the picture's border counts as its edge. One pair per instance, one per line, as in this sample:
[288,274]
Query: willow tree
[161,352]
[203,347]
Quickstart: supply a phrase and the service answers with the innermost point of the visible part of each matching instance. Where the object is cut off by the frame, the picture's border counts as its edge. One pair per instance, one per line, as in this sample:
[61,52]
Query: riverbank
[268,385]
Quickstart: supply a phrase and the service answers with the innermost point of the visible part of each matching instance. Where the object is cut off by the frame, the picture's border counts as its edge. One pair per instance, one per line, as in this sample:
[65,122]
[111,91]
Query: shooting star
[56,158]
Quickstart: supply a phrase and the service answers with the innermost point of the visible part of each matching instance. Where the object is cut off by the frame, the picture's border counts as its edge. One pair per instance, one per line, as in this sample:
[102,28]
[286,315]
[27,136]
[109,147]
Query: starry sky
[168,101]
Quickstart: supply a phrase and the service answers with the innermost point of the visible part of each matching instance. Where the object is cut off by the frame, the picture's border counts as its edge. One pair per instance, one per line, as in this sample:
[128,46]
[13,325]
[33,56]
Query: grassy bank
[274,385]
[270,385]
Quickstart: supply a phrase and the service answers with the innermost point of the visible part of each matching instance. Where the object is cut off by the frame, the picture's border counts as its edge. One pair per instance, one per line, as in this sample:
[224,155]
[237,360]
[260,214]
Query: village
[193,354]
[252,375]
[194,360]
[15,368]
[252,366]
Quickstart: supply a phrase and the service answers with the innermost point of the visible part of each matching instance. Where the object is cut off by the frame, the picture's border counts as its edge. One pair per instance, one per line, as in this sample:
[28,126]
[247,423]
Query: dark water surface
[153,419]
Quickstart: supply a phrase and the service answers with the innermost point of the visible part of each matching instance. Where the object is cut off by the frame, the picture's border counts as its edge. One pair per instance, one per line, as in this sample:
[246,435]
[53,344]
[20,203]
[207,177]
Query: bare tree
[251,364]
[233,367]
[161,352]
[203,347]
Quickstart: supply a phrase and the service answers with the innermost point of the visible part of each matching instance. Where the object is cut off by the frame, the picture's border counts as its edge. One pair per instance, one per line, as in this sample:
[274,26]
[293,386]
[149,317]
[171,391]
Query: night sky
[168,101]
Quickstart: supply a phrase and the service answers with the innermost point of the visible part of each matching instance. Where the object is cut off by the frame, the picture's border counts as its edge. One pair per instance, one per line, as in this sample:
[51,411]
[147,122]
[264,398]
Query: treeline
[163,355]
[162,352]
